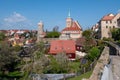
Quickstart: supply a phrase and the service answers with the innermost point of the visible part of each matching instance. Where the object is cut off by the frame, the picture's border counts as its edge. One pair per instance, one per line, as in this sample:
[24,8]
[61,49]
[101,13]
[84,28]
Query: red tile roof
[107,17]
[67,46]
[74,27]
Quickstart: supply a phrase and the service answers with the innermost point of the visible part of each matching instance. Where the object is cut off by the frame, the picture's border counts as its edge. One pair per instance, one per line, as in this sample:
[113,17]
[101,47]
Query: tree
[2,36]
[93,54]
[8,61]
[87,34]
[58,64]
[53,34]
[62,60]
[38,61]
[116,34]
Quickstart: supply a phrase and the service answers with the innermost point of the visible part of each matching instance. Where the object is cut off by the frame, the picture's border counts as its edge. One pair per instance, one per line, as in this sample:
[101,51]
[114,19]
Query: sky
[25,14]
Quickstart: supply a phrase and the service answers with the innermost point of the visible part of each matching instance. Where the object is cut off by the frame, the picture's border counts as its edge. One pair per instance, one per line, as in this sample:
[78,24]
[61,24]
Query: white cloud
[16,17]
[16,21]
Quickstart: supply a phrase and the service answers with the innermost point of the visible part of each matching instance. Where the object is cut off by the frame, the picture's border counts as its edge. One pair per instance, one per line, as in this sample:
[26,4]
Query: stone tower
[69,20]
[40,31]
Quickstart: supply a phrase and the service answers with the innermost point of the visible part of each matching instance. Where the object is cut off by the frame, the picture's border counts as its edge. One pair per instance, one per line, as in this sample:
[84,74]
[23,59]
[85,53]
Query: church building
[72,30]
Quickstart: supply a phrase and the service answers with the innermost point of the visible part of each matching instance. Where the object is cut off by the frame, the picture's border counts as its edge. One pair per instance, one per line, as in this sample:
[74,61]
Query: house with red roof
[107,23]
[73,30]
[63,46]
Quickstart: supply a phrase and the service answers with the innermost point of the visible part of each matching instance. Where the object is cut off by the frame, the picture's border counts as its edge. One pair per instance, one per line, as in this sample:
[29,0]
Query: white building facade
[107,23]
[72,30]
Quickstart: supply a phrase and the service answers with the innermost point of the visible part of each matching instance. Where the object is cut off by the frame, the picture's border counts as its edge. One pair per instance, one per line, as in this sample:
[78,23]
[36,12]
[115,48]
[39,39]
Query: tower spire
[69,14]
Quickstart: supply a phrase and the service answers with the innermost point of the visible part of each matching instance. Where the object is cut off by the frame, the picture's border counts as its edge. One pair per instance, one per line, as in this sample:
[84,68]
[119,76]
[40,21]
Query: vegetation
[85,75]
[16,48]
[89,40]
[87,34]
[116,34]
[38,62]
[2,36]
[93,54]
[53,34]
[8,62]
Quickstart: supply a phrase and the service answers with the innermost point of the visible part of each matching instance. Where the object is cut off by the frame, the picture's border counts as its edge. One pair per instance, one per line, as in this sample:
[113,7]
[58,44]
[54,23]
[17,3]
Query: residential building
[63,46]
[95,27]
[72,30]
[107,23]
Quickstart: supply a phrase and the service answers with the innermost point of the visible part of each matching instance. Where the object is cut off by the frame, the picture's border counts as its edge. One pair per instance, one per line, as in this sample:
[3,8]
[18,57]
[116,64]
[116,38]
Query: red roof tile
[74,27]
[67,46]
[108,17]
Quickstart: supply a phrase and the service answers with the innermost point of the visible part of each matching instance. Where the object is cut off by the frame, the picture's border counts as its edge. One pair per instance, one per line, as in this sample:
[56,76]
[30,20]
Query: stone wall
[103,60]
[48,39]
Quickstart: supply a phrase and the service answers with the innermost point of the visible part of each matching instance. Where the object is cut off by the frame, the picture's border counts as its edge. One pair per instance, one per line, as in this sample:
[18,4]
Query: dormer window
[110,21]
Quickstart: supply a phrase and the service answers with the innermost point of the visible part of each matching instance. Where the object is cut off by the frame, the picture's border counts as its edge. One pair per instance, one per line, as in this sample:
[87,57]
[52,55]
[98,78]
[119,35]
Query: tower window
[106,26]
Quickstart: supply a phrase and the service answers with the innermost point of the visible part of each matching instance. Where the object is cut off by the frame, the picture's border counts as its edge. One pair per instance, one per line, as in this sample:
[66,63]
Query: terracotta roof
[74,27]
[57,46]
[107,17]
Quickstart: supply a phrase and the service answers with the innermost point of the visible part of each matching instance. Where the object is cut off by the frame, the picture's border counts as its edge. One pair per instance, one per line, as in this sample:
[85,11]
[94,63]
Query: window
[70,55]
[106,26]
[113,26]
[110,21]
[106,22]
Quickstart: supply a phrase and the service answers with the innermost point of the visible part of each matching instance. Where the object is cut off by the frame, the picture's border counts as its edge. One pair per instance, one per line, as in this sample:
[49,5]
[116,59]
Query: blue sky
[25,14]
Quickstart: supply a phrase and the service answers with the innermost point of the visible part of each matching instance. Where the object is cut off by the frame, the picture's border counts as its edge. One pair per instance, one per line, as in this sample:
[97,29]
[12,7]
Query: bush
[93,54]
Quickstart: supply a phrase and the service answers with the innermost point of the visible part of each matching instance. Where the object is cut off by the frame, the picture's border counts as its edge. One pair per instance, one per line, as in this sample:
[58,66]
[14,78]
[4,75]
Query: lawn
[86,75]
[75,66]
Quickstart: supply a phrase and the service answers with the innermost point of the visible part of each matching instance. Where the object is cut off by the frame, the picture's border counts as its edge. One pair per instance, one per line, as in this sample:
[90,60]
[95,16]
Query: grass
[75,66]
[85,75]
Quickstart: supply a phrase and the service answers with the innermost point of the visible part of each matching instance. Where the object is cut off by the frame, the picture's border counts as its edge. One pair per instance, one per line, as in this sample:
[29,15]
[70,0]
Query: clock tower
[69,20]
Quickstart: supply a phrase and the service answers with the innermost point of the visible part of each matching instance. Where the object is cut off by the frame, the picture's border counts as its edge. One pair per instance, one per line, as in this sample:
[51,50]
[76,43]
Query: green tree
[53,34]
[89,41]
[93,54]
[116,34]
[87,34]
[38,61]
[8,61]
[58,64]
[2,36]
